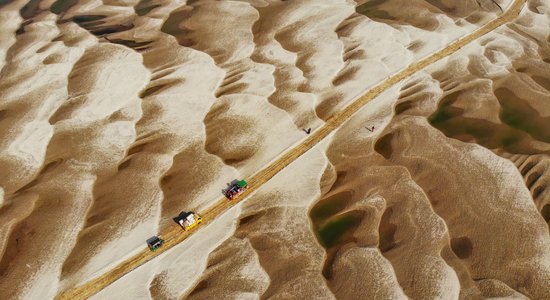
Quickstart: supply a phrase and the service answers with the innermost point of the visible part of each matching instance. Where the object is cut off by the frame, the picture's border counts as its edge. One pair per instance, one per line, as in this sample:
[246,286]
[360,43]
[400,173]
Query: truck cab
[235,188]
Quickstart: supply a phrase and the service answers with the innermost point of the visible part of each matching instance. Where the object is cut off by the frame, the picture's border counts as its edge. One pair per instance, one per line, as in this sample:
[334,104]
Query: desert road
[174,234]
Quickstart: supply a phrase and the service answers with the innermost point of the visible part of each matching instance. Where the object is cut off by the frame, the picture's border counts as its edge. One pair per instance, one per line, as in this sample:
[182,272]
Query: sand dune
[117,115]
[458,210]
[182,265]
[275,227]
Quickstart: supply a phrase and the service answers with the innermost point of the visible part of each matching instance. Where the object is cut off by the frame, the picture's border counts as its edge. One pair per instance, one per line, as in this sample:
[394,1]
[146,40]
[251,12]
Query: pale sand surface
[176,270]
[116,115]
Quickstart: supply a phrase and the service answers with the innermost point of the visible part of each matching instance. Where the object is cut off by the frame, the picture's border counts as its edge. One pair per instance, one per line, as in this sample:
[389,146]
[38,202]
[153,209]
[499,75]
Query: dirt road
[174,235]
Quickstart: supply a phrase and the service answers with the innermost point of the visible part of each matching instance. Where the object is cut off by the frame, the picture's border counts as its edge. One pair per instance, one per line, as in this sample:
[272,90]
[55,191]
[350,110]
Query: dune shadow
[387,231]
[520,124]
[462,247]
[383,146]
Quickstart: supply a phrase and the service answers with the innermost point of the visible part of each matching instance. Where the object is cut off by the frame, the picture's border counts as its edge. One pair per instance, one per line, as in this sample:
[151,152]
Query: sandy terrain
[116,115]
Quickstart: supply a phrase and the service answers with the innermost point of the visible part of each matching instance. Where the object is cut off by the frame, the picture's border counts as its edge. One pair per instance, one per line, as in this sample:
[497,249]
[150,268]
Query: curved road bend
[174,235]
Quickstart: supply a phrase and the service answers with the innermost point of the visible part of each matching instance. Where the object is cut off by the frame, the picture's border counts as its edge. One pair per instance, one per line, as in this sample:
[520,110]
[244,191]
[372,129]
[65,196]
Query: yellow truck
[188,220]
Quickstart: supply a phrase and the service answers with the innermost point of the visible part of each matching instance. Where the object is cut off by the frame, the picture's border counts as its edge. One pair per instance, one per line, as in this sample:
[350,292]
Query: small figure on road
[308,131]
[371,129]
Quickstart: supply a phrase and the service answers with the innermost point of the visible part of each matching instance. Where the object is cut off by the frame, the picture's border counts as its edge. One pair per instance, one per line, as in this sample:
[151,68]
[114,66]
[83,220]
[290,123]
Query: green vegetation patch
[30,9]
[336,230]
[144,7]
[519,114]
[370,9]
[61,6]
[329,206]
[520,123]
[87,18]
[331,225]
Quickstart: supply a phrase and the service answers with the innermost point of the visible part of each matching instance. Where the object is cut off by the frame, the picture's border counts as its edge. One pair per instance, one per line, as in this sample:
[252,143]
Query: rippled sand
[116,115]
